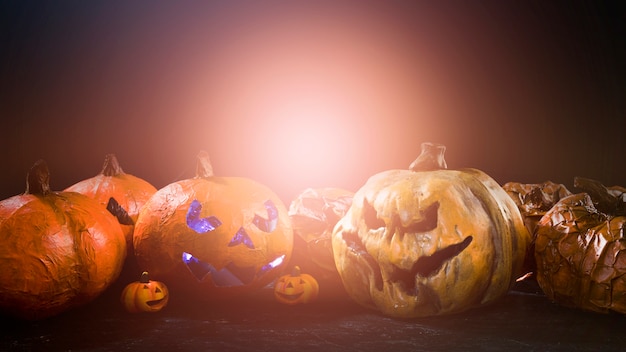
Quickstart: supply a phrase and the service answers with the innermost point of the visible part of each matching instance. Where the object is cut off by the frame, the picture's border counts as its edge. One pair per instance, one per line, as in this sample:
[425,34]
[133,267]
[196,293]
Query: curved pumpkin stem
[38,179]
[296,271]
[431,158]
[145,278]
[204,167]
[111,166]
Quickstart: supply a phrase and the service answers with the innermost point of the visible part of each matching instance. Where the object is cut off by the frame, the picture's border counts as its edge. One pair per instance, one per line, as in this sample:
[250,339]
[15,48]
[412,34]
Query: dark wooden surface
[524,320]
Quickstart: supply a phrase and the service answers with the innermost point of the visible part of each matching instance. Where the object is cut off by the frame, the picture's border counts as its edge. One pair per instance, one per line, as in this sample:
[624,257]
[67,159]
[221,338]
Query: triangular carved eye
[157,290]
[145,287]
[370,216]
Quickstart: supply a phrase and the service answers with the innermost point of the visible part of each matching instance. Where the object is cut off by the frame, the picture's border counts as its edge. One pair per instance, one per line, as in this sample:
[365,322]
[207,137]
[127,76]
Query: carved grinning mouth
[425,266]
[231,275]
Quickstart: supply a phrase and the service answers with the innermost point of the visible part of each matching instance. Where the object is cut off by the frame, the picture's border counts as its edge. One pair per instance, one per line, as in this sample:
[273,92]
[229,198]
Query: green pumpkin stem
[296,271]
[603,200]
[38,179]
[145,278]
[203,167]
[431,158]
[111,166]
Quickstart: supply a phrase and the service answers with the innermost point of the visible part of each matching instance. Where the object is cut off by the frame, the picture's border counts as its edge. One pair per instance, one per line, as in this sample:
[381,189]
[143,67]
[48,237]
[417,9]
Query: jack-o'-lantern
[580,249]
[296,288]
[145,295]
[314,213]
[429,241]
[121,193]
[58,250]
[215,236]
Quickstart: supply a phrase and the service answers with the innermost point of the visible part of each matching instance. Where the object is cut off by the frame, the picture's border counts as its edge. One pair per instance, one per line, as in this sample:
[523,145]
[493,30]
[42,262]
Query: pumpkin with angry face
[216,236]
[429,241]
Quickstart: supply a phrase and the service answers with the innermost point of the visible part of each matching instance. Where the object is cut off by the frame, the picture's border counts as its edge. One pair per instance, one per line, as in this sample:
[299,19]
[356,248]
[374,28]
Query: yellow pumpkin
[296,288]
[145,295]
[429,241]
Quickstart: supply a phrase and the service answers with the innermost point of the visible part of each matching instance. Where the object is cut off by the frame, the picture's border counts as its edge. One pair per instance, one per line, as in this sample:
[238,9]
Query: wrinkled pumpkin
[429,241]
[580,249]
[58,250]
[213,236]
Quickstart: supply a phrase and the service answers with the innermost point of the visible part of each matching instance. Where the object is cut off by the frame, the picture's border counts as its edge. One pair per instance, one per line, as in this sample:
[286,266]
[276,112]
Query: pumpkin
[534,200]
[58,250]
[429,241]
[121,193]
[213,236]
[145,295]
[296,288]
[580,249]
[314,213]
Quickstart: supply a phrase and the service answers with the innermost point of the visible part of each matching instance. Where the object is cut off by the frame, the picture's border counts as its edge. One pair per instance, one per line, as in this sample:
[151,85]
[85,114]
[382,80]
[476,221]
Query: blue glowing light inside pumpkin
[271,265]
[269,224]
[200,225]
[241,237]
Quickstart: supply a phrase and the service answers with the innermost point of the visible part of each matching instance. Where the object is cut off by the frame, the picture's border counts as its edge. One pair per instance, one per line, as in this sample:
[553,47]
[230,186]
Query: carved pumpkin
[429,241]
[145,295]
[296,288]
[215,236]
[314,213]
[58,250]
[580,251]
[121,193]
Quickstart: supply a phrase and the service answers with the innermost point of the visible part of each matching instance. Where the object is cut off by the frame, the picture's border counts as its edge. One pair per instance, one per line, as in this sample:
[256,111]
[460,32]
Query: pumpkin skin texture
[145,295]
[423,243]
[314,213]
[213,236]
[296,288]
[58,250]
[579,249]
[129,193]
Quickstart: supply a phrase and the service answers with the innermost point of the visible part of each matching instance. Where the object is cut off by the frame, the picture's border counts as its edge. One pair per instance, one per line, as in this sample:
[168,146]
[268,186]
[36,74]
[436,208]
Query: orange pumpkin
[215,236]
[429,241]
[58,250]
[121,193]
[145,295]
[579,249]
[296,288]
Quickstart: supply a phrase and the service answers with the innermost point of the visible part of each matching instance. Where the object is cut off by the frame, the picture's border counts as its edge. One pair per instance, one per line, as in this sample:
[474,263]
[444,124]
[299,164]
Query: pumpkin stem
[38,179]
[145,278]
[431,158]
[603,200]
[203,167]
[295,271]
[111,166]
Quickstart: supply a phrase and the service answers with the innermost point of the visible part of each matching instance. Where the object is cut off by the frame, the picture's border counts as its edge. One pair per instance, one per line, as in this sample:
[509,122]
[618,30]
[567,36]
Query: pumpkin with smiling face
[429,241]
[145,295]
[214,236]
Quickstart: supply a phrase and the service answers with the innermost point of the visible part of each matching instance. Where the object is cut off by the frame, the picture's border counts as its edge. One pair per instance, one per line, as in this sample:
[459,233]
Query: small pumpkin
[579,249]
[58,250]
[314,213]
[121,193]
[296,288]
[213,236]
[145,295]
[429,240]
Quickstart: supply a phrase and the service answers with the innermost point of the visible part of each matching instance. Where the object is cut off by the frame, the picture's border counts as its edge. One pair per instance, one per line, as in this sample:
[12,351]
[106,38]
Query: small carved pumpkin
[215,236]
[58,250]
[314,213]
[145,295]
[296,288]
[429,241]
[580,249]
[121,193]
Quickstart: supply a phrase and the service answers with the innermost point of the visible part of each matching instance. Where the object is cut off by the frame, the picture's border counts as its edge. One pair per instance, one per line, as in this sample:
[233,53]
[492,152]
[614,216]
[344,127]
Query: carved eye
[370,216]
[200,225]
